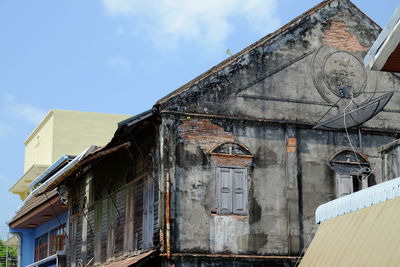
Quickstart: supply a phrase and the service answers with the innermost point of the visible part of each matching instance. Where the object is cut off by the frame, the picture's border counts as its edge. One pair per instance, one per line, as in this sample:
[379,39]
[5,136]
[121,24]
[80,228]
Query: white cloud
[120,63]
[206,22]
[24,111]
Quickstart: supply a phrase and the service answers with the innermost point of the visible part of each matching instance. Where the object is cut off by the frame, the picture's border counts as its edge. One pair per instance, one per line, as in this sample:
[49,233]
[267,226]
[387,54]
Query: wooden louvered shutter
[129,220]
[120,201]
[239,191]
[148,212]
[104,230]
[224,190]
[97,232]
[344,184]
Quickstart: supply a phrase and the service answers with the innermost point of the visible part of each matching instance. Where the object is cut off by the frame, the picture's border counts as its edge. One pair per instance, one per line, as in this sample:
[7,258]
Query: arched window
[352,171]
[232,161]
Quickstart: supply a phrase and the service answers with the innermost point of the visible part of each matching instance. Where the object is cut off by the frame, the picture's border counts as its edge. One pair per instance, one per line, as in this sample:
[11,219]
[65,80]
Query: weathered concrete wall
[267,98]
[285,184]
[106,203]
[295,75]
[318,180]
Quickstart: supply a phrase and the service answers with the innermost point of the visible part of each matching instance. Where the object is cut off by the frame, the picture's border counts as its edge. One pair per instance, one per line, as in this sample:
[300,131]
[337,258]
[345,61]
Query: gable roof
[293,23]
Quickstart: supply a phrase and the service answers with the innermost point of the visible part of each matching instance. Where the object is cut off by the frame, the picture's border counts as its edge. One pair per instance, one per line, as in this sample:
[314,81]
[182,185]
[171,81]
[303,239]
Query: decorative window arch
[231,160]
[352,171]
[230,148]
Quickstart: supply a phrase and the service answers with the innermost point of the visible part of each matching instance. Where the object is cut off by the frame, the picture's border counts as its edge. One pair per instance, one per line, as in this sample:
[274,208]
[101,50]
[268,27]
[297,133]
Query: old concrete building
[227,170]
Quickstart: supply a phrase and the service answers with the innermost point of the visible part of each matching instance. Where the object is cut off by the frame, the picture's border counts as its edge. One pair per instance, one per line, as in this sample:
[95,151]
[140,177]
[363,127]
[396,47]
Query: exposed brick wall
[232,160]
[338,37]
[204,133]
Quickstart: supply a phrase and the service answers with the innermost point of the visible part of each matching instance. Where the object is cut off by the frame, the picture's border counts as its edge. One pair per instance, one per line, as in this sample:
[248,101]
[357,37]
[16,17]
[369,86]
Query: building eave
[386,45]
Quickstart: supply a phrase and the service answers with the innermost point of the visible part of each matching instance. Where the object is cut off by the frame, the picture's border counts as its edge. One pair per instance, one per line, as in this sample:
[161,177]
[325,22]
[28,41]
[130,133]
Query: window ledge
[239,217]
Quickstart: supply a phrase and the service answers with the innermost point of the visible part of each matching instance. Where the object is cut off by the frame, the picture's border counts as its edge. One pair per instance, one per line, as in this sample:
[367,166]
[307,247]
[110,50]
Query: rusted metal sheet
[232,256]
[367,237]
[132,261]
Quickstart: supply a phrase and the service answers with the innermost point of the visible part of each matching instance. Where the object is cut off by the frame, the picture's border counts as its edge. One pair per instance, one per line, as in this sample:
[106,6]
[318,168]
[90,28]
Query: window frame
[234,202]
[341,189]
[57,239]
[41,250]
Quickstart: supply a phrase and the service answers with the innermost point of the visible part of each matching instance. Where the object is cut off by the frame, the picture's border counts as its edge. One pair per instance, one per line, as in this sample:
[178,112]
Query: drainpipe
[167,216]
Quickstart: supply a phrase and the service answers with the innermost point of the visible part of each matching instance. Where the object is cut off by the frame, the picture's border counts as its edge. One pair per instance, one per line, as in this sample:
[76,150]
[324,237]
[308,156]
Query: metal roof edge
[137,118]
[370,60]
[382,192]
[50,169]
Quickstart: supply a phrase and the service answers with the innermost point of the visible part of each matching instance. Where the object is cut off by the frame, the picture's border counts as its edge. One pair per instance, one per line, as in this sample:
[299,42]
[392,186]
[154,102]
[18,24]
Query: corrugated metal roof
[367,237]
[358,200]
[132,261]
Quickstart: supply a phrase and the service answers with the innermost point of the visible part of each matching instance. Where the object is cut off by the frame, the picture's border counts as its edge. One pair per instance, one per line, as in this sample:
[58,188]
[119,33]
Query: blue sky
[118,56]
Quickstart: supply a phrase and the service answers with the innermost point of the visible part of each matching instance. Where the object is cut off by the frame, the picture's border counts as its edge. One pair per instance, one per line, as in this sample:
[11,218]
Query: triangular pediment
[294,74]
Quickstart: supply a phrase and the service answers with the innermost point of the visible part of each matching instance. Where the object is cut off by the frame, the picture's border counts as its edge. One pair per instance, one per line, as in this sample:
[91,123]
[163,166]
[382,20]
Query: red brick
[338,37]
[204,133]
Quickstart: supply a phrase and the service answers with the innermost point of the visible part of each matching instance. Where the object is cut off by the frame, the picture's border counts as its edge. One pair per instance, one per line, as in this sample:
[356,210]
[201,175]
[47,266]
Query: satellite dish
[357,116]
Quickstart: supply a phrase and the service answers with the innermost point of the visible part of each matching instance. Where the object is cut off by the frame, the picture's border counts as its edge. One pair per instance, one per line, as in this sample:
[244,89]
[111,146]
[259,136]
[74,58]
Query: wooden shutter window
[240,191]
[344,184]
[129,220]
[224,178]
[148,212]
[231,190]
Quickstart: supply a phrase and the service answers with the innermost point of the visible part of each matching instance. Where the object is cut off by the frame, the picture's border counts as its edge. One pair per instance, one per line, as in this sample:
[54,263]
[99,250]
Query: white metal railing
[364,198]
[48,259]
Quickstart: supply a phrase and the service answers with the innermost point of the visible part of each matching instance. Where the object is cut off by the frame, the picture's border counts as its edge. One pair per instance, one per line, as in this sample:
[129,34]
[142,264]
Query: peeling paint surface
[223,240]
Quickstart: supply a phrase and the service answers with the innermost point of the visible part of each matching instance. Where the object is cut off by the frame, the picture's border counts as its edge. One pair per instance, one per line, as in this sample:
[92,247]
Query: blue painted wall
[27,237]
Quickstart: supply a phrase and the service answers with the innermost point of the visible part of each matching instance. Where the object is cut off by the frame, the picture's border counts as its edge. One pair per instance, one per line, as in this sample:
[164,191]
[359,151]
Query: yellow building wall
[63,132]
[38,146]
[74,131]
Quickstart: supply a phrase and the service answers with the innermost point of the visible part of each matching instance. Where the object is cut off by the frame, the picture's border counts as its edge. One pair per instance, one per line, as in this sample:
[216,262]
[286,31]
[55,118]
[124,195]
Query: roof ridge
[247,49]
[362,12]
